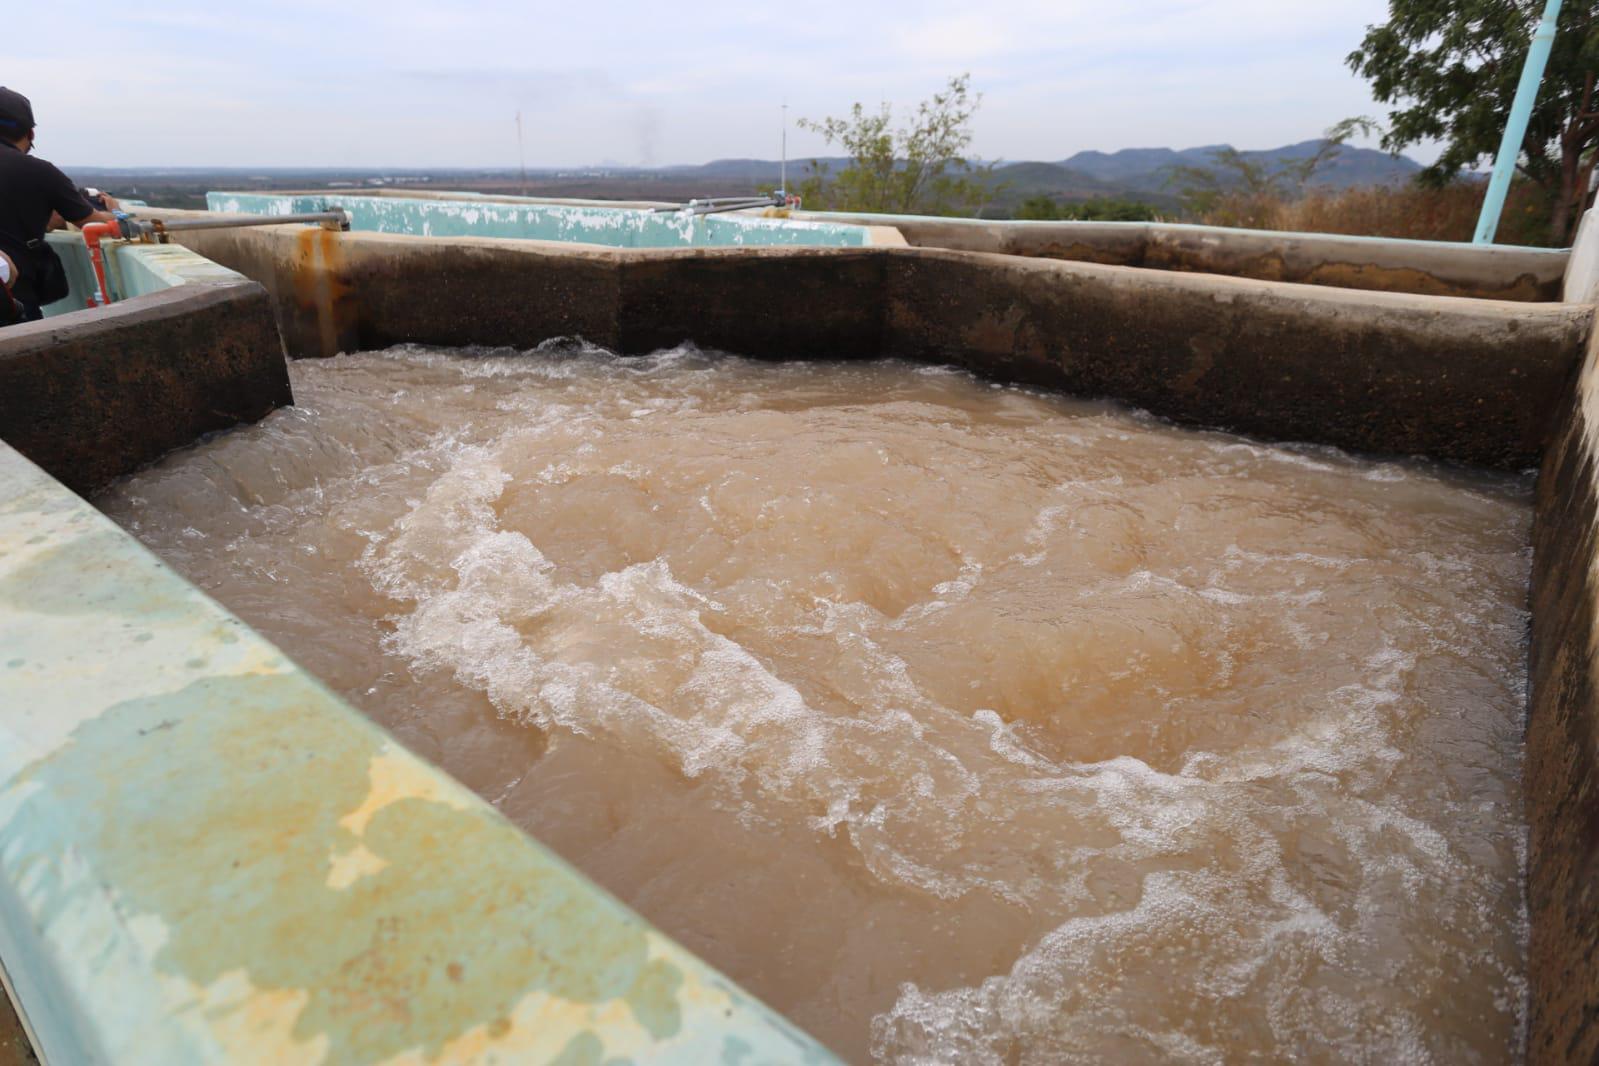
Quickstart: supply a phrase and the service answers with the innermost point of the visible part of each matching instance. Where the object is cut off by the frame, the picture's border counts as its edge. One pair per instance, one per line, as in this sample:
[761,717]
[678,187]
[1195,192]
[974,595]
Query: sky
[400,83]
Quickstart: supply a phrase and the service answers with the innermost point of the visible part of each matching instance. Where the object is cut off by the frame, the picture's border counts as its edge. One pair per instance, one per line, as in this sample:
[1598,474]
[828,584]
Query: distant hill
[1146,169]
[753,171]
[1136,166]
[1130,174]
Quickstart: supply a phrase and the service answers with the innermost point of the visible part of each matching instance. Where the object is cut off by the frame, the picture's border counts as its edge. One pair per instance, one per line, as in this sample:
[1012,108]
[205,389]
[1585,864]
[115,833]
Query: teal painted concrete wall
[69,247]
[131,270]
[611,226]
[137,269]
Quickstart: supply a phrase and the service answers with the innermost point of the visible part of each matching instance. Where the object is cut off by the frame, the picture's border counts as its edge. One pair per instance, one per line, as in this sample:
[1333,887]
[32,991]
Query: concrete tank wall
[95,394]
[1431,268]
[1469,380]
[615,227]
[1562,760]
[190,347]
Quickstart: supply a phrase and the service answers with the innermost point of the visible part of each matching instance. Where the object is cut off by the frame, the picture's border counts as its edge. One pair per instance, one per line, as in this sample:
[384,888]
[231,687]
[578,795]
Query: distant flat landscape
[1141,174]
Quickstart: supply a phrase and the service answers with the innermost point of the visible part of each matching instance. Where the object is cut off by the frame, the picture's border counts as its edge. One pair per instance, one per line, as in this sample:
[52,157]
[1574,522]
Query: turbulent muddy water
[959,723]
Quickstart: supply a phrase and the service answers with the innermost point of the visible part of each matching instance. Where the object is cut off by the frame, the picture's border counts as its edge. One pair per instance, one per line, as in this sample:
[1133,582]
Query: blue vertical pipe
[1516,129]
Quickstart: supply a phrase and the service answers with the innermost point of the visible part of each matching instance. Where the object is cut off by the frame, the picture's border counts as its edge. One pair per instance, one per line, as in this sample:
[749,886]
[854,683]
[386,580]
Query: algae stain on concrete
[244,778]
[57,581]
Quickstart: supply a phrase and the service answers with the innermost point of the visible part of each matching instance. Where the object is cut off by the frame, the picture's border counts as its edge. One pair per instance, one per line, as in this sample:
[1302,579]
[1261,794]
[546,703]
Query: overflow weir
[208,856]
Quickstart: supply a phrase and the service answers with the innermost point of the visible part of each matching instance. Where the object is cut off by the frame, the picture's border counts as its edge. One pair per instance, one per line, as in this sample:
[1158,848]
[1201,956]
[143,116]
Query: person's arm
[100,200]
[68,202]
[95,216]
[57,222]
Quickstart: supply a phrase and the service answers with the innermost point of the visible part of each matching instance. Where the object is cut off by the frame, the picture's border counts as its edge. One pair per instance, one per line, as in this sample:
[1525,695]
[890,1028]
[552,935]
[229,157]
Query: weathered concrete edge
[878,234]
[1469,380]
[100,322]
[1335,260]
[612,226]
[1561,771]
[132,269]
[92,395]
[160,841]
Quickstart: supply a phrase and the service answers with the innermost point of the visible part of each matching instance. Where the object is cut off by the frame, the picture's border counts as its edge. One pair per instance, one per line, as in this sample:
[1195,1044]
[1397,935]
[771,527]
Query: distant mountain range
[1130,174]
[1146,168]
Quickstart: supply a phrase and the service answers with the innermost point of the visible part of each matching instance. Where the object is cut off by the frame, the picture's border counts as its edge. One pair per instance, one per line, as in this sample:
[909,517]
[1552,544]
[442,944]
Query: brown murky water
[960,723]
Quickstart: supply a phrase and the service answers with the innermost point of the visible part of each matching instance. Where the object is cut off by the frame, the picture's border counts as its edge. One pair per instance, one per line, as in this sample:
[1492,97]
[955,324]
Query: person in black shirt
[31,191]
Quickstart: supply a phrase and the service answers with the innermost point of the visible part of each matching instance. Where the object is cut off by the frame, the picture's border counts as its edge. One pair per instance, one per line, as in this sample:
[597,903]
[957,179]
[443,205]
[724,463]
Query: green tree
[917,168]
[1039,208]
[1043,207]
[1450,68]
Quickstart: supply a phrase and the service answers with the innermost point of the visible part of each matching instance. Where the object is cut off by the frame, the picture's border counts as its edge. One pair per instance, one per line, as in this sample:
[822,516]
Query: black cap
[16,113]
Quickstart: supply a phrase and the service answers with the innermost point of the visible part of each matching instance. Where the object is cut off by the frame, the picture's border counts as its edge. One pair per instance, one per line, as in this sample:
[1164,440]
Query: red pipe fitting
[91,237]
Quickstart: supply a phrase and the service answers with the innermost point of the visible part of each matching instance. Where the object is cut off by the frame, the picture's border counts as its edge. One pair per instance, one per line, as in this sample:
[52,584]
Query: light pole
[521,153]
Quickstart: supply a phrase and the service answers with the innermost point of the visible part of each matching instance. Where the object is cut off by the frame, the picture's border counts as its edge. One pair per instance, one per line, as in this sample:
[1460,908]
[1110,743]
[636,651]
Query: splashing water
[959,722]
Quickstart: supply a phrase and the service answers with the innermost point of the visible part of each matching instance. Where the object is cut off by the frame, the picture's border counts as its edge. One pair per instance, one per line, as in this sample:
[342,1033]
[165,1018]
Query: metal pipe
[152,226]
[126,228]
[721,208]
[722,203]
[1493,204]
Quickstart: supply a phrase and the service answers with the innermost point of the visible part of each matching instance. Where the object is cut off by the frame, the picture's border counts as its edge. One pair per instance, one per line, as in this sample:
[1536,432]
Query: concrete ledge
[1432,268]
[92,395]
[340,292]
[1465,380]
[1473,381]
[612,226]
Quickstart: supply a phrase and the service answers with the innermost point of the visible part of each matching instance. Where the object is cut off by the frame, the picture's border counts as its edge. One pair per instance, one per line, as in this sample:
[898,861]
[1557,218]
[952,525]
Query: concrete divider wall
[131,270]
[455,293]
[616,227]
[95,394]
[1432,268]
[340,292]
[767,304]
[69,248]
[1468,380]
[1561,772]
